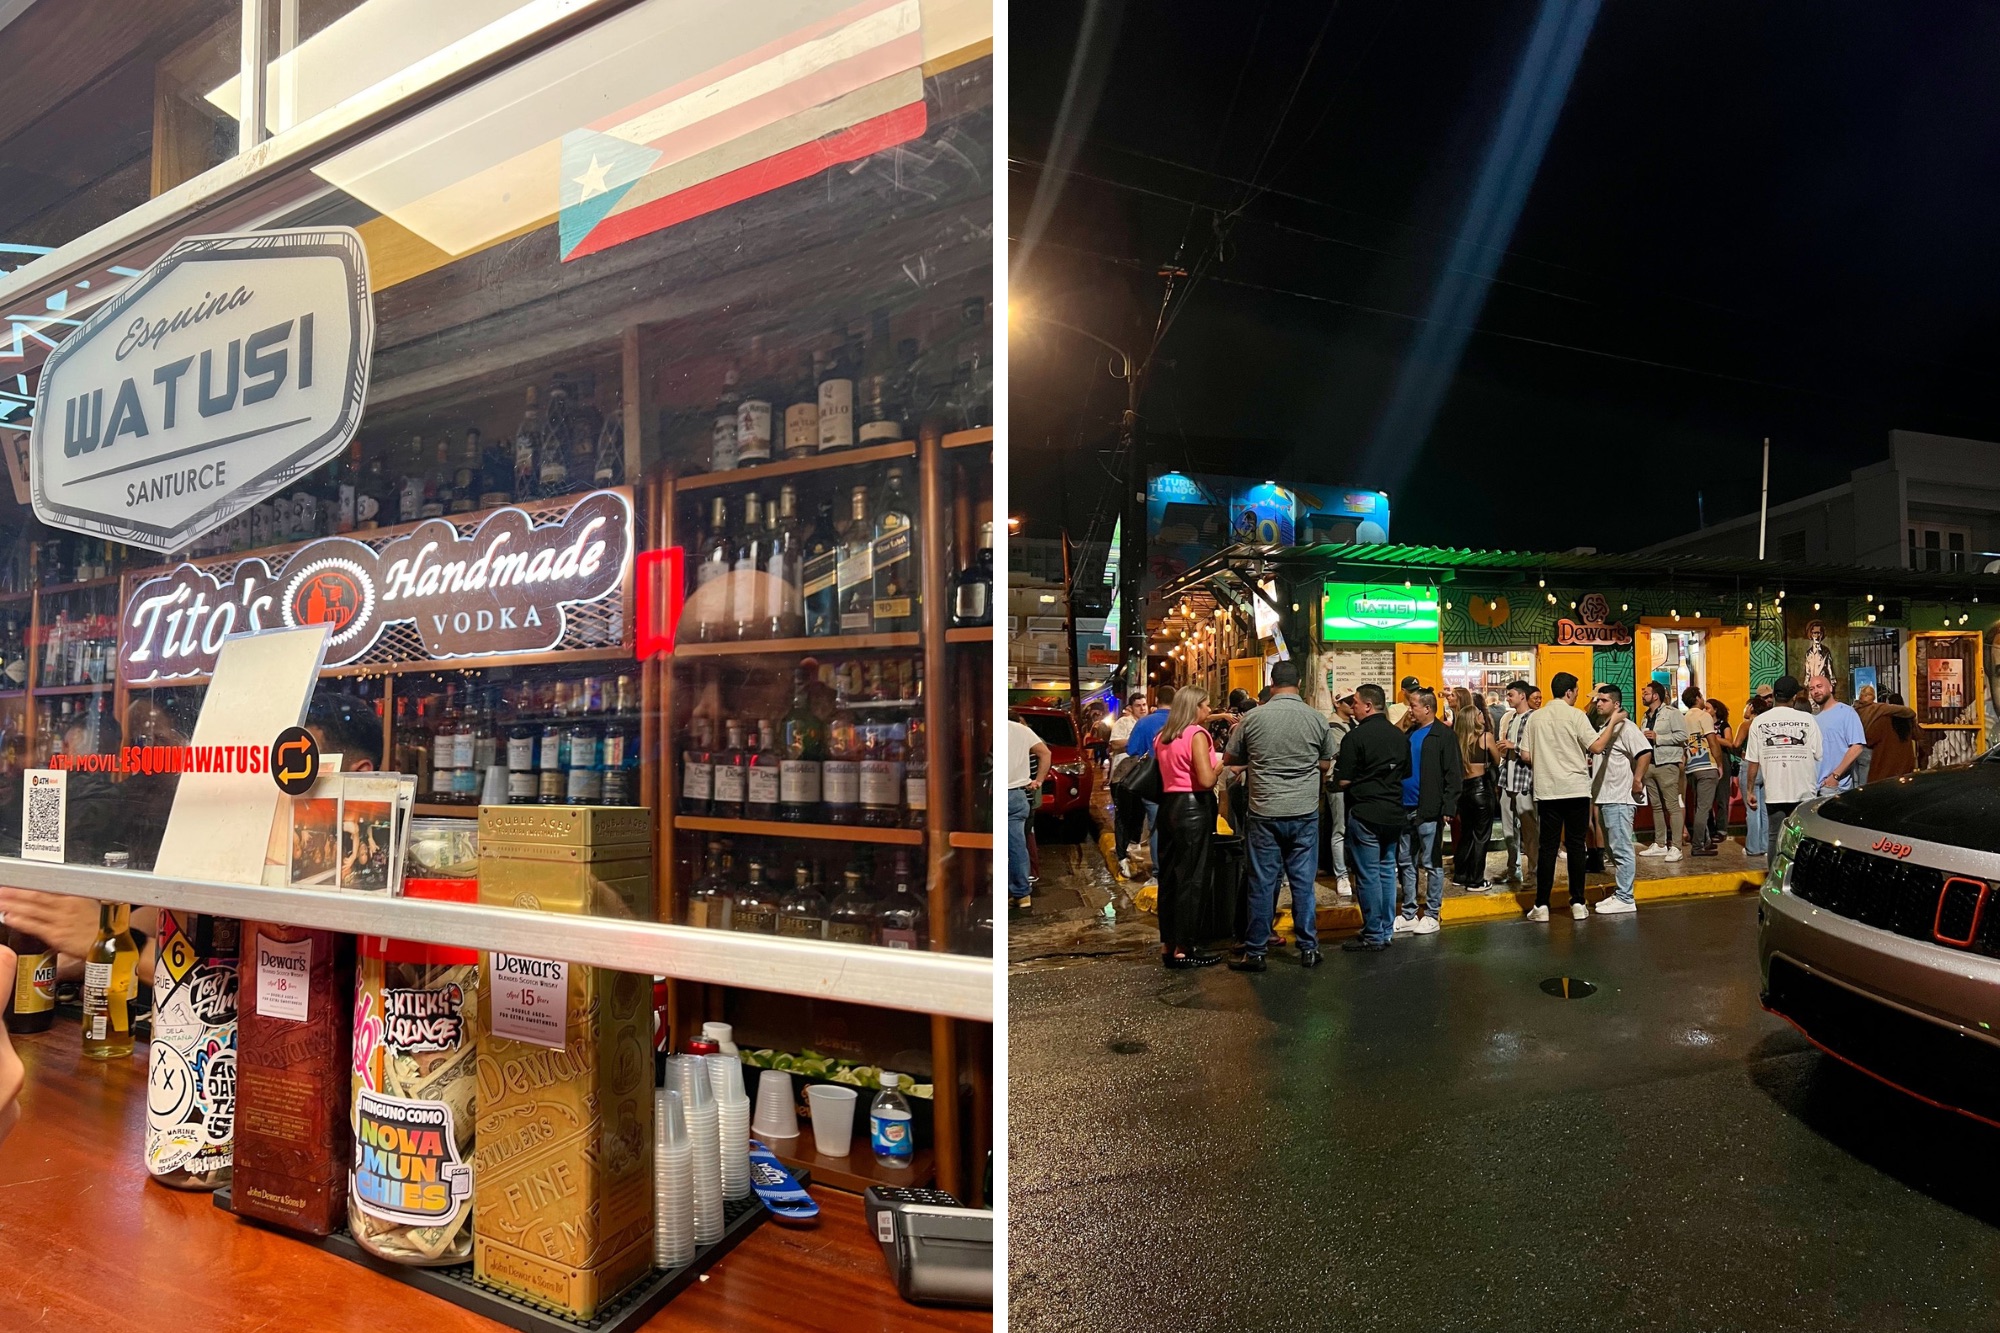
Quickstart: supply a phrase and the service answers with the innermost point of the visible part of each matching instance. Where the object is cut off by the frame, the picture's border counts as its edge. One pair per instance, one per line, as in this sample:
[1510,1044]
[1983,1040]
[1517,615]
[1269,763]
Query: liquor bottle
[552,756]
[972,587]
[753,414]
[783,607]
[609,466]
[916,772]
[718,556]
[722,439]
[731,772]
[488,742]
[851,918]
[410,498]
[801,769]
[410,744]
[712,896]
[527,450]
[466,475]
[856,570]
[586,779]
[523,777]
[444,750]
[836,399]
[373,503]
[746,601]
[552,458]
[697,792]
[34,982]
[467,777]
[110,985]
[840,776]
[585,427]
[763,774]
[621,747]
[894,562]
[882,775]
[902,917]
[802,911]
[881,414]
[347,489]
[802,416]
[819,576]
[755,910]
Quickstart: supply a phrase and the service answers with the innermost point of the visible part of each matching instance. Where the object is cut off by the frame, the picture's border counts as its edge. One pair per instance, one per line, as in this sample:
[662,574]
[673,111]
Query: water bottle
[889,1128]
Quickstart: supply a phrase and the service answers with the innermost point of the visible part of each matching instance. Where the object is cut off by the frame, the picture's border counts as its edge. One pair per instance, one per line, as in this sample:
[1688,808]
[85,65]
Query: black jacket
[1441,775]
[1374,759]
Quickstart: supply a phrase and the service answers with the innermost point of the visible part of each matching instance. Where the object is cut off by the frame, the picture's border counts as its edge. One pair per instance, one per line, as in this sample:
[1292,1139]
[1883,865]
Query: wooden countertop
[92,1244]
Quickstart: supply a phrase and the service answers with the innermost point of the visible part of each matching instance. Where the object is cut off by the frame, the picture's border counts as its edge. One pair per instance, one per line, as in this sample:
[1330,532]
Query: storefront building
[1480,619]
[597,394]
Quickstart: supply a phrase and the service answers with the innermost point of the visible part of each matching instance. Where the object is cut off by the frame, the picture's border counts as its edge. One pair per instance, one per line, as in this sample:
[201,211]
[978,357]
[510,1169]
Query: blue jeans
[1756,825]
[1375,857]
[1282,846]
[1418,852]
[1617,821]
[1018,812]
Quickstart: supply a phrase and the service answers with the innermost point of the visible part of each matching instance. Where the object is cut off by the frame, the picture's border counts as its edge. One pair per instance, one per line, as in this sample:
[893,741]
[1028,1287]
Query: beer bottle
[34,1006]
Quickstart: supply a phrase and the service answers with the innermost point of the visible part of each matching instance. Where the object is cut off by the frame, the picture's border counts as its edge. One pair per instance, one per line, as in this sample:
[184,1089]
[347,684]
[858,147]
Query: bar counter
[87,1242]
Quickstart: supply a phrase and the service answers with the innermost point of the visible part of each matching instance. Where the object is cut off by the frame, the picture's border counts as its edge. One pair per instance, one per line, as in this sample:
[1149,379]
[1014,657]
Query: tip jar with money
[416,1046]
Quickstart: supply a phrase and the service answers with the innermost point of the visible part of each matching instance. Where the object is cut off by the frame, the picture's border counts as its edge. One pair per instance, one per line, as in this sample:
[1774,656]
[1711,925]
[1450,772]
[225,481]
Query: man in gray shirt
[1288,749]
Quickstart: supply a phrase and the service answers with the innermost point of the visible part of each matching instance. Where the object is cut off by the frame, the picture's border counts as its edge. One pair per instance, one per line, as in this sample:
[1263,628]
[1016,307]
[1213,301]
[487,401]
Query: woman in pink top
[1188,769]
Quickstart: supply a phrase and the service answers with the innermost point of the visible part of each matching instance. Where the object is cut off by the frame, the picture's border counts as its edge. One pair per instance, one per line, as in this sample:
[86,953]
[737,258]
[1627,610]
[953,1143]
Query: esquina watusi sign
[508,588]
[231,366]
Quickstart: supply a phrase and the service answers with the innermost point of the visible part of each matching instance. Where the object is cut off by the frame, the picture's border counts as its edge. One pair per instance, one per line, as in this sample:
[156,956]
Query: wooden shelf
[55,589]
[960,439]
[428,810]
[52,691]
[792,467]
[775,828]
[12,598]
[13,694]
[860,1168]
[835,643]
[970,634]
[977,842]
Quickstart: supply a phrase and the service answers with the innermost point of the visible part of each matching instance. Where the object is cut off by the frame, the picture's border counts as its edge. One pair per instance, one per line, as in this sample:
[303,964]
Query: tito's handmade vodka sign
[225,370]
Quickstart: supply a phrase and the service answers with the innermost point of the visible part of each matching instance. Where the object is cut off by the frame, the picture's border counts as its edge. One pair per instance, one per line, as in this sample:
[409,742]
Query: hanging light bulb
[1815,606]
[1541,583]
[1623,607]
[1749,606]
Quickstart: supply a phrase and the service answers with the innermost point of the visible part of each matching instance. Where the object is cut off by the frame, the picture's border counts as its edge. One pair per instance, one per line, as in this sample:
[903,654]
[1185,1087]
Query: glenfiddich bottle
[753,414]
[894,563]
[801,768]
[857,586]
[916,772]
[819,575]
[836,399]
[527,450]
[882,775]
[802,416]
[34,983]
[840,776]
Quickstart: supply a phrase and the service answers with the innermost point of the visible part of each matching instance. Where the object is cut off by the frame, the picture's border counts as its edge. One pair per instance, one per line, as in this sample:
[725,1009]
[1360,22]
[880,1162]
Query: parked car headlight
[1070,770]
[1786,846]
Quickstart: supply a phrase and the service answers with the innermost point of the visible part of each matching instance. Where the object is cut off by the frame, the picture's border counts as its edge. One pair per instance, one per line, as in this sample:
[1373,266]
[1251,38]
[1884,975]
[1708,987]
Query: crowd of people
[1370,791]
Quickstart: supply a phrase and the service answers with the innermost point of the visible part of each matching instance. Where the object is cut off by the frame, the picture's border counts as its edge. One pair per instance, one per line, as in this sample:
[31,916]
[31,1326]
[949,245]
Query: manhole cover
[1128,1047]
[1568,988]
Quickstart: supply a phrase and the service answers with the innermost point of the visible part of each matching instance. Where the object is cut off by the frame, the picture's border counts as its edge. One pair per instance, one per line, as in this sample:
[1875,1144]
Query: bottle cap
[890,1082]
[717,1032]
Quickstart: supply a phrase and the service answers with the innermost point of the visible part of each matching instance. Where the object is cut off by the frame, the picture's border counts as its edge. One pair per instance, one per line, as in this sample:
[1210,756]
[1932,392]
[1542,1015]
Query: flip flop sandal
[777,1189]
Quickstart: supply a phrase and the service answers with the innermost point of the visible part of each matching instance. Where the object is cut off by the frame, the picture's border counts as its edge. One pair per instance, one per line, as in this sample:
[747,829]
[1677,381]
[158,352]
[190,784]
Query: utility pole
[1069,629]
[1132,559]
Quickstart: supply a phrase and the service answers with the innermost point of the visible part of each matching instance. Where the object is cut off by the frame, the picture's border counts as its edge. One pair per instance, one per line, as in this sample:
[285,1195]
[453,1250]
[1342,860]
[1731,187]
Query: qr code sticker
[42,815]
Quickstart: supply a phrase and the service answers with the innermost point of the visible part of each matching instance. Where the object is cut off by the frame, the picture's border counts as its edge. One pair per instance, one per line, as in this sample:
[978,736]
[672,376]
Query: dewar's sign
[228,368]
[502,590]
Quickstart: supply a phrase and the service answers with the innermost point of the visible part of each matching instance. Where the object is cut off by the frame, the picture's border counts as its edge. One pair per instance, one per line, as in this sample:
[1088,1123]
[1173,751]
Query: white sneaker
[1657,849]
[1579,912]
[1673,854]
[1424,925]
[1342,887]
[1405,924]
[1125,867]
[1538,914]
[1616,906]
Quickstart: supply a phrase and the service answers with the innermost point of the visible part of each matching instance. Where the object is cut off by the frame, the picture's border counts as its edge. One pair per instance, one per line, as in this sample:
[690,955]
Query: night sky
[1774,219]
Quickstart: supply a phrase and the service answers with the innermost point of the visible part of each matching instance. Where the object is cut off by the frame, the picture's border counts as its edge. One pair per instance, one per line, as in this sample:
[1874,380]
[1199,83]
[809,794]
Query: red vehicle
[1066,788]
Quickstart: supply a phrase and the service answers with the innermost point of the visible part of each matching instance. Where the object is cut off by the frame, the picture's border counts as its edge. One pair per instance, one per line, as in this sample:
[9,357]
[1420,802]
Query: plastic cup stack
[673,1182]
[725,1074]
[690,1076]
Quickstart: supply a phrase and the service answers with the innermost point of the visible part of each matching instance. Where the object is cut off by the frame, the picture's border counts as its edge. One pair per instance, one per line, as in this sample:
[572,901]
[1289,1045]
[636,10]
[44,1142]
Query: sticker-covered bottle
[191,1067]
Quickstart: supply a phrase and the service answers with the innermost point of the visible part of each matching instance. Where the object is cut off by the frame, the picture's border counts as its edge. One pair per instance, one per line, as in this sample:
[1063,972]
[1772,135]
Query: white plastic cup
[777,1115]
[725,1076]
[832,1109]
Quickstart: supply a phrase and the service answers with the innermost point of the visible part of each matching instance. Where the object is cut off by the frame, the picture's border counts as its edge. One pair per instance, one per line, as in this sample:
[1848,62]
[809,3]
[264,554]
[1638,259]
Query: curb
[1344,918]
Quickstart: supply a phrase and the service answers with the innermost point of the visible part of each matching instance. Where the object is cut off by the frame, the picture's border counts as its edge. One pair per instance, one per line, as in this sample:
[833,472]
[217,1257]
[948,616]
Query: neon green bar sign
[1374,613]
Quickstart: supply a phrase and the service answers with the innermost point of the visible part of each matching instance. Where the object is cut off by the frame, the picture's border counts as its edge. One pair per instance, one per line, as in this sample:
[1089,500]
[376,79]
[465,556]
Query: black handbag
[1139,780]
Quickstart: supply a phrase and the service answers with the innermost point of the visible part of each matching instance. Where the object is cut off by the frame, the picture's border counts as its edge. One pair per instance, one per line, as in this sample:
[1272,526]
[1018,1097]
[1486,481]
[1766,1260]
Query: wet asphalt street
[1423,1139]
